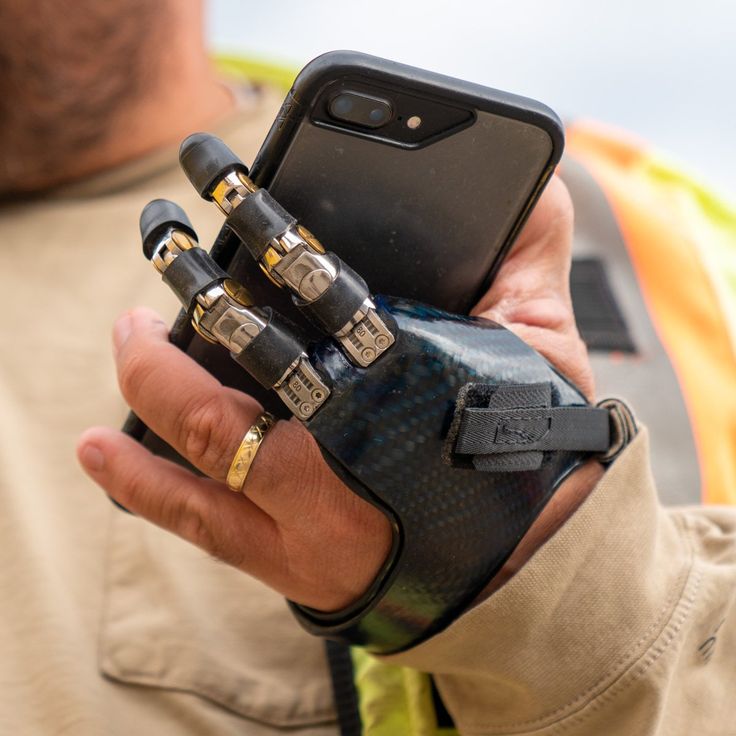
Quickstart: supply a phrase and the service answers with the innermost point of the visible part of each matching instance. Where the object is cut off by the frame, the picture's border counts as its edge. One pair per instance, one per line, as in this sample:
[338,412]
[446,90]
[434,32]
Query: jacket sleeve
[622,623]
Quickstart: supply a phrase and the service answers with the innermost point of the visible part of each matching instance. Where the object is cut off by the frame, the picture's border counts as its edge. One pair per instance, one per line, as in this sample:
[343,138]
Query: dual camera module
[388,113]
[365,110]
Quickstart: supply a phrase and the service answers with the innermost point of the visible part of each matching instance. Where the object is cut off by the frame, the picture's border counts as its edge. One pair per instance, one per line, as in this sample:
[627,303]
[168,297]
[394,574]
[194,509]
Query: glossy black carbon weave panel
[386,426]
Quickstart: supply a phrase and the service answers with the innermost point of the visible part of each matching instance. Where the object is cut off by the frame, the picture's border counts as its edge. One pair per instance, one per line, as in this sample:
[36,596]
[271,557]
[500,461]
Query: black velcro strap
[597,313]
[518,425]
[489,431]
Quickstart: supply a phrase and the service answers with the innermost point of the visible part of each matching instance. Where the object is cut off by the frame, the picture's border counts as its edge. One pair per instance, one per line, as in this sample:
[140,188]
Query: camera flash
[413,122]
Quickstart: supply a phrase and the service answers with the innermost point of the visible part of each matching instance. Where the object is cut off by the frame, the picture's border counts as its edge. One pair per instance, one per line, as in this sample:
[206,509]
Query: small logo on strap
[521,431]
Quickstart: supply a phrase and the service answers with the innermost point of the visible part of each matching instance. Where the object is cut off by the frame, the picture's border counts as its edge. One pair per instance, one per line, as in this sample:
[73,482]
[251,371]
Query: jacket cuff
[583,608]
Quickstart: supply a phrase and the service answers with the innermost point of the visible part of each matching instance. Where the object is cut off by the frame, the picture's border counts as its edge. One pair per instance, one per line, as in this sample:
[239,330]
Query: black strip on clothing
[599,318]
[343,688]
[444,719]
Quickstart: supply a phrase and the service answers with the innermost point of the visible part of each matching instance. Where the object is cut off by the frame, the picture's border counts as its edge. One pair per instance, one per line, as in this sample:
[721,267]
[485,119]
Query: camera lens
[341,105]
[378,115]
[359,109]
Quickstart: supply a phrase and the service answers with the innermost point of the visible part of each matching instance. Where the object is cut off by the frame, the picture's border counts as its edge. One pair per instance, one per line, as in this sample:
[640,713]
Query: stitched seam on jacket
[223,699]
[678,601]
[211,695]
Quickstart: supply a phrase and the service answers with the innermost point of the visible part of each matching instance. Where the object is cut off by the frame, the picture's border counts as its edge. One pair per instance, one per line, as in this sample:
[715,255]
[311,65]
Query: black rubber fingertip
[158,216]
[204,159]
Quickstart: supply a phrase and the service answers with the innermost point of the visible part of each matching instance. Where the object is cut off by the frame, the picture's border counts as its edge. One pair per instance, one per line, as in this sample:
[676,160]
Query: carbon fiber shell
[383,431]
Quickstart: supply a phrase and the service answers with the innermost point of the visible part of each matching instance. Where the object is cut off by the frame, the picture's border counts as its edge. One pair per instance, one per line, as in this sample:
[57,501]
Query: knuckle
[203,433]
[130,489]
[132,374]
[207,532]
[189,523]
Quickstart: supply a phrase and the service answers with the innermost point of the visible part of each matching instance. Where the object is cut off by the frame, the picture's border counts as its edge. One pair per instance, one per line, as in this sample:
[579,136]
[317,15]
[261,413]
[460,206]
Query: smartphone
[420,182]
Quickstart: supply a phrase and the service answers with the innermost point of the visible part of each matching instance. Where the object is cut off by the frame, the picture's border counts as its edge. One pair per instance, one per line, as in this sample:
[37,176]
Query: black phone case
[311,80]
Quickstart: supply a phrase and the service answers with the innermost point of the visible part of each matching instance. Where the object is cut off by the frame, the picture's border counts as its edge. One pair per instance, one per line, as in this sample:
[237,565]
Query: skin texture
[85,85]
[297,527]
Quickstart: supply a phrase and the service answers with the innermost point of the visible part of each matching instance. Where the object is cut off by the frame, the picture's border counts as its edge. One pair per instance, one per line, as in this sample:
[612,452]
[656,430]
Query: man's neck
[193,101]
[169,91]
[159,122]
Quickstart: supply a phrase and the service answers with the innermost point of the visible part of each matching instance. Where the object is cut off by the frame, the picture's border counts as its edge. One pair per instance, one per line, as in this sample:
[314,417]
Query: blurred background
[662,70]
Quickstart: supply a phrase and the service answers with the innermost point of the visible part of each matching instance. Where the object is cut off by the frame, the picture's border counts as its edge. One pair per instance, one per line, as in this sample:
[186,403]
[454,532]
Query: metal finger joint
[302,389]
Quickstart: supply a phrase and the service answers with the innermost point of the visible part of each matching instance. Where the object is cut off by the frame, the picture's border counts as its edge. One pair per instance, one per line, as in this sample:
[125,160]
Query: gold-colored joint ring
[246,453]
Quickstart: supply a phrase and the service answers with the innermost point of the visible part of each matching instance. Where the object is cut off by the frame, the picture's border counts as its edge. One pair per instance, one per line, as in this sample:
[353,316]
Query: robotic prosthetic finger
[329,292]
[262,342]
[456,429]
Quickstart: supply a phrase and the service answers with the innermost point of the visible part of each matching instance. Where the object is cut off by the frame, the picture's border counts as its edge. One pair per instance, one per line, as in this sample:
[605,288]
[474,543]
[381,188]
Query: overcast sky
[665,70]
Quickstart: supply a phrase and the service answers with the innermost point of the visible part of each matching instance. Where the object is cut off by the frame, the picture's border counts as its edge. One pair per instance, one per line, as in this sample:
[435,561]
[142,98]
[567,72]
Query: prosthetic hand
[456,429]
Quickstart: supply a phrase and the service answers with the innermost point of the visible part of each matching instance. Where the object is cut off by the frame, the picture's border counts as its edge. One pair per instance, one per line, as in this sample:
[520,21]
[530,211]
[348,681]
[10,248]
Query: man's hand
[531,293]
[297,527]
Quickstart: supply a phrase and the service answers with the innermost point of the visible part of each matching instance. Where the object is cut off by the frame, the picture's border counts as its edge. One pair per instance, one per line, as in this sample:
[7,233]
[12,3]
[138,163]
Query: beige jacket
[622,624]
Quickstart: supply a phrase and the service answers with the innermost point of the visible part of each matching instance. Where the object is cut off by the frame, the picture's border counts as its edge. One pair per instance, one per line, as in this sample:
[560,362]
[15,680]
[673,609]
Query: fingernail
[92,458]
[121,331]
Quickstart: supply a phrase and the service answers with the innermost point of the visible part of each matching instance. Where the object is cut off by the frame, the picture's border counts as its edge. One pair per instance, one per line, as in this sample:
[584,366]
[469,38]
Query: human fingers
[324,560]
[227,525]
[176,397]
[206,422]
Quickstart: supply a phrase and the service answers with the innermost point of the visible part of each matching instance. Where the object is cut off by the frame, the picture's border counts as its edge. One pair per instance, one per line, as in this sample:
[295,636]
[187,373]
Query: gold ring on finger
[246,453]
